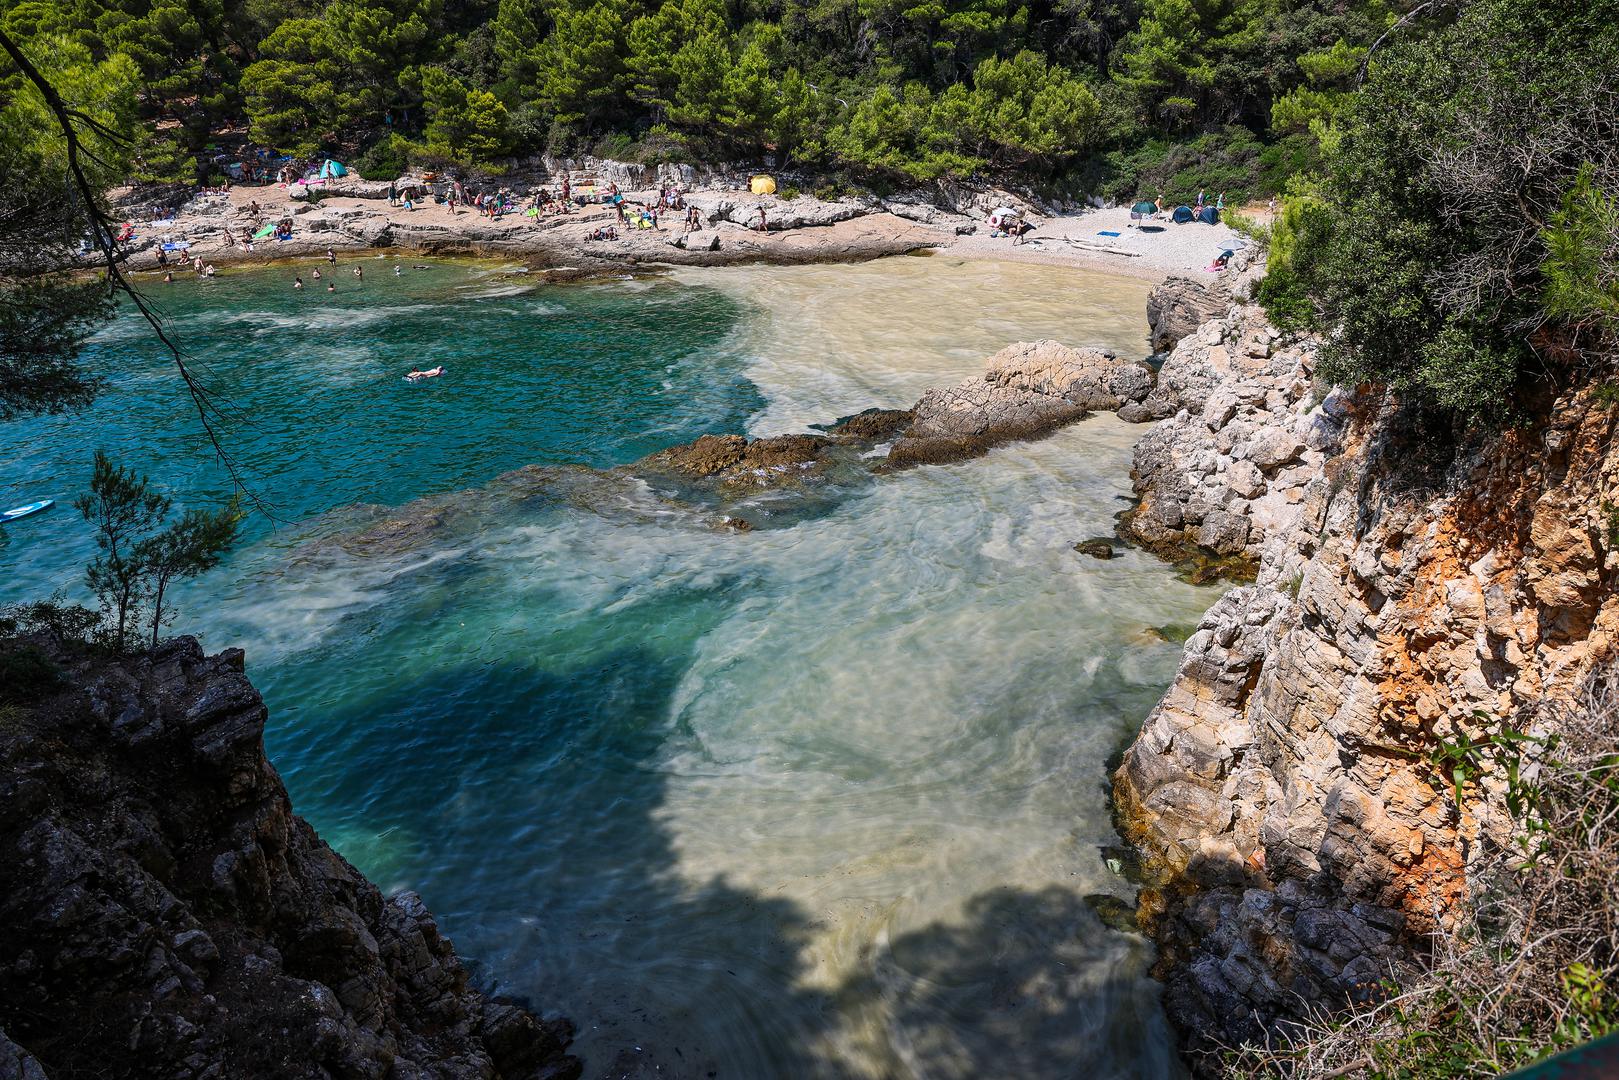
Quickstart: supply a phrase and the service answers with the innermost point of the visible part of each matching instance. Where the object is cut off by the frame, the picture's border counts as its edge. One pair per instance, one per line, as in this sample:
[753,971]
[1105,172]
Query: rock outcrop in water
[164,913]
[737,463]
[1027,390]
[1300,839]
[1178,305]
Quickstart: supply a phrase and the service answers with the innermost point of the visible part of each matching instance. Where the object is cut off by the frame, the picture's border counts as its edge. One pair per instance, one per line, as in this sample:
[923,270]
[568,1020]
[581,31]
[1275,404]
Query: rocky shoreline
[1300,839]
[353,218]
[164,913]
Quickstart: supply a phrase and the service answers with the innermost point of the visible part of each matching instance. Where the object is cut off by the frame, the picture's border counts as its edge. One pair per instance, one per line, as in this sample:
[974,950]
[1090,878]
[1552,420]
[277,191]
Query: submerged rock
[1097,548]
[164,913]
[1027,390]
[873,425]
[736,462]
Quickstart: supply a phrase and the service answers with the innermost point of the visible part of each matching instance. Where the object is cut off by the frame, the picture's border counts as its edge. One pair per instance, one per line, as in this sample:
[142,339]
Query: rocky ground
[164,913]
[1299,837]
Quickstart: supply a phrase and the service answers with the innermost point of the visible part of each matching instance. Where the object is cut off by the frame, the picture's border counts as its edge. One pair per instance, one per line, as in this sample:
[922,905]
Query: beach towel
[1106,232]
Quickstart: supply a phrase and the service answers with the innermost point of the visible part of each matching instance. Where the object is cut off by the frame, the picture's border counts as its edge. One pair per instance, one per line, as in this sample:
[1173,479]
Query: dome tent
[1183,214]
[332,170]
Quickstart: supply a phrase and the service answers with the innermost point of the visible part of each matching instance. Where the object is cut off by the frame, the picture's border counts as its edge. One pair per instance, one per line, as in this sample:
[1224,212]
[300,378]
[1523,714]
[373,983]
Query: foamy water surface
[824,799]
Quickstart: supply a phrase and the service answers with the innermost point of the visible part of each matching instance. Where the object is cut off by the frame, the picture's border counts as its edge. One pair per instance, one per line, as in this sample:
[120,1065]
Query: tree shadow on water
[528,800]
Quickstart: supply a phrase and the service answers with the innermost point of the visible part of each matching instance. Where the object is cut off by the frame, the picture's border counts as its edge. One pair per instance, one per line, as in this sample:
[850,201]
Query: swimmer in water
[330,287]
[359,273]
[297,283]
[398,272]
[430,373]
[168,278]
[317,273]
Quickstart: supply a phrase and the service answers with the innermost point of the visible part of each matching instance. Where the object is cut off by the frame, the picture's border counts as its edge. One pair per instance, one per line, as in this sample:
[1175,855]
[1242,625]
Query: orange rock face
[1293,791]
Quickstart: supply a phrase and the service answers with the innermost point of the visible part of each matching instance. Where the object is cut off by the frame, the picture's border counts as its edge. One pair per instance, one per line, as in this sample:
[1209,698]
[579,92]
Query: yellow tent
[762,185]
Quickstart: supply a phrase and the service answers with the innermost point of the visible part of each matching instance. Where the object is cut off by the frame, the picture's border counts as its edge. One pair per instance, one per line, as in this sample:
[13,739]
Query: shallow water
[826,799]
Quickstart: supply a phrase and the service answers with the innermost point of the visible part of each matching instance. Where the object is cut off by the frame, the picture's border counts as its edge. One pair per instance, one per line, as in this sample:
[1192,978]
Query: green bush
[1464,216]
[385,159]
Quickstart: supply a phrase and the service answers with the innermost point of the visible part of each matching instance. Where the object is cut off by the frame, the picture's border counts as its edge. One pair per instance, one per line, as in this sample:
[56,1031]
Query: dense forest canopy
[1083,95]
[1460,241]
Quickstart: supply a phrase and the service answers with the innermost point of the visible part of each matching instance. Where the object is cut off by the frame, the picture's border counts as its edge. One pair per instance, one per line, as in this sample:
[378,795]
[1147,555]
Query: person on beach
[451,201]
[1159,203]
[1200,198]
[567,191]
[393,193]
[1219,203]
[297,282]
[763,226]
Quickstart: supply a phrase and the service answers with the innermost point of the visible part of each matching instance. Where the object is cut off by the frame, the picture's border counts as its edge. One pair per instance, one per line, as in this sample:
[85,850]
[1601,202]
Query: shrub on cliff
[1427,247]
[142,554]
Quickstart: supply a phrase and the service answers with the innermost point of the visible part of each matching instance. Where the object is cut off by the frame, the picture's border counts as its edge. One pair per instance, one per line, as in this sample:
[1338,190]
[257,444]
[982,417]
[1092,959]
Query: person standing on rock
[393,193]
[763,226]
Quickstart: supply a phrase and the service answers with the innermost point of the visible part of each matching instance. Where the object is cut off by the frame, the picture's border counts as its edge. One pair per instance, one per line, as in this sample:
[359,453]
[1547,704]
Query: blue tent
[1183,214]
[332,170]
[1209,216]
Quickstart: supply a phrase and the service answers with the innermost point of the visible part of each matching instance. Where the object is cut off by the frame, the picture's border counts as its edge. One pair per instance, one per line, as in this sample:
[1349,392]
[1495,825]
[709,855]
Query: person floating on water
[430,373]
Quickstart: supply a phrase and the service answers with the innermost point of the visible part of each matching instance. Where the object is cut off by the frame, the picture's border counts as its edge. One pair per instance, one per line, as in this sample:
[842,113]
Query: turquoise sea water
[825,799]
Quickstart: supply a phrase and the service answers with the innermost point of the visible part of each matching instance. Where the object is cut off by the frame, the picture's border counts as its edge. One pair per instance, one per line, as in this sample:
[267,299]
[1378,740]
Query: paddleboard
[23,511]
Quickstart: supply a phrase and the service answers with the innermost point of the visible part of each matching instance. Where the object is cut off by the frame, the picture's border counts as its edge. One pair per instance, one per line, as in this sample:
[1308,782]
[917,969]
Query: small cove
[825,799]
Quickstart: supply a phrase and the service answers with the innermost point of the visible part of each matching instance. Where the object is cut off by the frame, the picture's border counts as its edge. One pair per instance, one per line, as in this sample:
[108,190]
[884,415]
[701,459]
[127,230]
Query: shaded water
[826,799]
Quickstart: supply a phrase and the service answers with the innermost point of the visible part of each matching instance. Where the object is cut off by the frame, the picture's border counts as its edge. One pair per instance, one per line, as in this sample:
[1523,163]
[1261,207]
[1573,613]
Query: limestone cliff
[164,913]
[1299,836]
